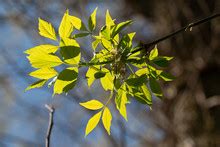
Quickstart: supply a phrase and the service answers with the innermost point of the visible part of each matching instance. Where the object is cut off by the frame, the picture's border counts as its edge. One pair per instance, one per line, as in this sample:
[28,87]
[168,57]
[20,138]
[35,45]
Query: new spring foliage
[125,75]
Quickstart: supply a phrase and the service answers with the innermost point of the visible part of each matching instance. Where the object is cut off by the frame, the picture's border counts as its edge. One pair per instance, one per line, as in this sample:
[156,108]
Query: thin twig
[189,26]
[50,124]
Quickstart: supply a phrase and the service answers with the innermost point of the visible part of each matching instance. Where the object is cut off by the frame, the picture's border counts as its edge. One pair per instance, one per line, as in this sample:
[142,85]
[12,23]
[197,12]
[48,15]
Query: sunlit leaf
[142,71]
[106,44]
[66,80]
[66,28]
[95,44]
[70,51]
[121,100]
[46,29]
[77,23]
[90,75]
[153,53]
[120,27]
[107,119]
[108,19]
[92,105]
[92,20]
[107,80]
[47,48]
[44,73]
[37,84]
[92,123]
[41,59]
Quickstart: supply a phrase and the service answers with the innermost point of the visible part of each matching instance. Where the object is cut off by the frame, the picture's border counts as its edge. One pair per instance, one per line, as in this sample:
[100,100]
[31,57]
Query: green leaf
[46,29]
[37,84]
[108,19]
[121,100]
[44,73]
[153,53]
[79,35]
[126,41]
[136,81]
[99,74]
[119,27]
[66,80]
[66,28]
[107,119]
[155,87]
[162,61]
[92,20]
[107,80]
[93,122]
[70,51]
[167,76]
[92,105]
[41,59]
[47,48]
[77,23]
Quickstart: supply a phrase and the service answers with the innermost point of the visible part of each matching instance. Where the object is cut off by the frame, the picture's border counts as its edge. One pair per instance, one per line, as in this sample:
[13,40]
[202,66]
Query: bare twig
[189,26]
[50,124]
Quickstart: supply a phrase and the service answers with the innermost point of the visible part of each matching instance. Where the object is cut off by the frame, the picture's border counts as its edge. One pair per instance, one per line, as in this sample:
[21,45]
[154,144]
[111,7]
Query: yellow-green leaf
[47,48]
[108,19]
[92,20]
[77,23]
[107,80]
[70,51]
[46,29]
[92,105]
[93,122]
[95,44]
[90,75]
[153,53]
[106,44]
[121,100]
[66,80]
[143,71]
[66,28]
[107,119]
[44,73]
[42,59]
[37,84]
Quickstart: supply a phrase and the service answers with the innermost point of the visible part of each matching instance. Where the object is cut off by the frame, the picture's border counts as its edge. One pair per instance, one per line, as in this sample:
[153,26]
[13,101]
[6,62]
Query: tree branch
[50,124]
[189,26]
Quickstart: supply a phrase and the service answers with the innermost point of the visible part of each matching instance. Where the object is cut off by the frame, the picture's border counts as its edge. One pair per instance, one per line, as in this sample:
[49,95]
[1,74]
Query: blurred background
[189,115]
